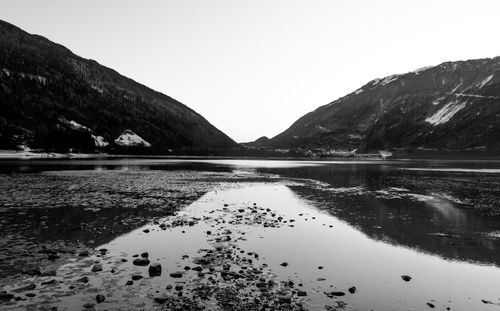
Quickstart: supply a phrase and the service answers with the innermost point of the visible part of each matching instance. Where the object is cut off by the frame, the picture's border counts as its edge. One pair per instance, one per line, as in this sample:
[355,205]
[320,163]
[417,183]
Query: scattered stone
[352,289]
[84,254]
[285,298]
[301,293]
[5,296]
[145,230]
[88,305]
[31,295]
[431,305]
[51,282]
[137,277]
[141,262]
[154,269]
[406,278]
[85,279]
[100,298]
[284,264]
[129,282]
[338,293]
[145,255]
[176,275]
[97,267]
[161,299]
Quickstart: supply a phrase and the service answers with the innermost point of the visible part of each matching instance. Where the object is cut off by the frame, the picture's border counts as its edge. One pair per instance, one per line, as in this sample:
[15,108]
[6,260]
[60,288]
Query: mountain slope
[45,90]
[455,105]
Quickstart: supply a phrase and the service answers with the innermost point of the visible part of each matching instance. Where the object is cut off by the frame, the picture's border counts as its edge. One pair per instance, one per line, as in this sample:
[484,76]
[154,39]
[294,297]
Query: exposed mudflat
[239,237]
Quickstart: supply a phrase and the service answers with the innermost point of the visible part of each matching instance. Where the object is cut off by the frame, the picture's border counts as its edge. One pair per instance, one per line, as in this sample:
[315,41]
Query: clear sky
[253,67]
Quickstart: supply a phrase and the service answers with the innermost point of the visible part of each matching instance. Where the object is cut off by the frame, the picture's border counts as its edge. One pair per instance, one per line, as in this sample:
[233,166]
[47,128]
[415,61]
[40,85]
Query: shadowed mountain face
[455,105]
[53,99]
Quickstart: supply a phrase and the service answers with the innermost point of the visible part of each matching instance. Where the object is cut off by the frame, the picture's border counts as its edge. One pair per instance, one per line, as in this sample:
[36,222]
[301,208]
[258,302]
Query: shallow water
[365,223]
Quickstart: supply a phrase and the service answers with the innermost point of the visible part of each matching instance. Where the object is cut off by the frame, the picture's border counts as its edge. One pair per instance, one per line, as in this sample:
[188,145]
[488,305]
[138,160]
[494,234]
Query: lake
[247,234]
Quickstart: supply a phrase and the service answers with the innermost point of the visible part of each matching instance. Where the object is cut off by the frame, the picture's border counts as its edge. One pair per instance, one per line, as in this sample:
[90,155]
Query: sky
[254,67]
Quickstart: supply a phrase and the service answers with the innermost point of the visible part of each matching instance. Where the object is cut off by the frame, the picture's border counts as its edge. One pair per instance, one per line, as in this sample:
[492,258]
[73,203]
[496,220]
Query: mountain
[53,99]
[453,106]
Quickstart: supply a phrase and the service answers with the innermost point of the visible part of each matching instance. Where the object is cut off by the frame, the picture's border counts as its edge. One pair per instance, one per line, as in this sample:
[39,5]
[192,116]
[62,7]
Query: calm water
[365,223]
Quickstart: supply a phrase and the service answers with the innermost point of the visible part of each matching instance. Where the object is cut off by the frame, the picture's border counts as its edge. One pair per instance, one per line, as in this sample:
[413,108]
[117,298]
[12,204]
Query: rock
[145,255]
[179,287]
[97,267]
[352,289]
[103,251]
[284,264]
[169,287]
[161,299]
[5,296]
[154,269]
[88,305]
[51,282]
[301,293]
[31,295]
[100,298]
[84,254]
[198,268]
[431,305]
[320,267]
[176,275]
[141,262]
[337,293]
[406,278]
[129,282]
[137,277]
[285,298]
[85,279]
[145,230]
[31,286]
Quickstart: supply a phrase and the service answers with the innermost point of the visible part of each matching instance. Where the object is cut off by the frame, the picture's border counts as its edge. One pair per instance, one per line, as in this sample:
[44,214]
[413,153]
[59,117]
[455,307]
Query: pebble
[141,262]
[176,275]
[97,267]
[352,289]
[88,305]
[406,278]
[85,279]
[100,298]
[154,269]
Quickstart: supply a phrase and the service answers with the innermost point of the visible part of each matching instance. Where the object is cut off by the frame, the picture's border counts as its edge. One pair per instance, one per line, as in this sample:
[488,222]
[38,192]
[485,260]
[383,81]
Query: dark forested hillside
[53,99]
[453,106]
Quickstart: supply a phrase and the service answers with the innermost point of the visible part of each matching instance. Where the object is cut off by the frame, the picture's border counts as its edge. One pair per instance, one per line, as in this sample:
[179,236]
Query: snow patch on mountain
[445,114]
[420,70]
[77,126]
[99,141]
[385,80]
[131,139]
[485,81]
[437,101]
[358,91]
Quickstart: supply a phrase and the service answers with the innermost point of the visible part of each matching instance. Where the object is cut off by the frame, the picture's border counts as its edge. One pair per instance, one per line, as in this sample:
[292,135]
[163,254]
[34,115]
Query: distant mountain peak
[452,106]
